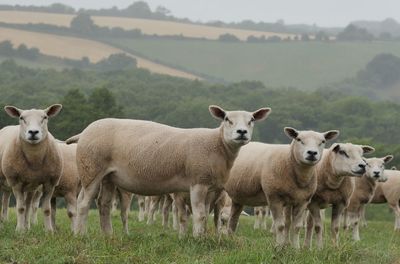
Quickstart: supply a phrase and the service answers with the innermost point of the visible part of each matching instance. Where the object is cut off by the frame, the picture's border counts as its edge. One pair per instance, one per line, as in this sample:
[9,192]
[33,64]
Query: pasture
[76,48]
[304,65]
[147,26]
[152,244]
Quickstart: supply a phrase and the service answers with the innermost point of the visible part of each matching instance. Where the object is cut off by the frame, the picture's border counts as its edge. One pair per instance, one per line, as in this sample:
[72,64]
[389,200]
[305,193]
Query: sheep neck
[333,179]
[370,183]
[34,154]
[303,174]
[230,150]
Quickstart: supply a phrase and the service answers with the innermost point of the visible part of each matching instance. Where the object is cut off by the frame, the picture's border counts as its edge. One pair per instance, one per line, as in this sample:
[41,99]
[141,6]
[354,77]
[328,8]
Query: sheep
[334,187]
[30,157]
[280,176]
[159,159]
[261,214]
[364,191]
[142,209]
[389,192]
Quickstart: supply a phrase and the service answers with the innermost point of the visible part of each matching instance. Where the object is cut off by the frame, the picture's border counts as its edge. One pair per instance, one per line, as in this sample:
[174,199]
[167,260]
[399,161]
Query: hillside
[147,26]
[305,65]
[76,48]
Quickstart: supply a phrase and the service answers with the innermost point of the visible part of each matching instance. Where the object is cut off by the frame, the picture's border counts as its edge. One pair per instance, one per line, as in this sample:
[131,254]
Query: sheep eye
[342,152]
[227,120]
[21,118]
[45,117]
[323,141]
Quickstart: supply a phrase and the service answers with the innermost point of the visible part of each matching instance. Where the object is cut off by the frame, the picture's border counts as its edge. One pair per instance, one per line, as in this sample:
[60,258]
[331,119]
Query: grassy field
[76,48]
[307,65]
[147,26]
[152,244]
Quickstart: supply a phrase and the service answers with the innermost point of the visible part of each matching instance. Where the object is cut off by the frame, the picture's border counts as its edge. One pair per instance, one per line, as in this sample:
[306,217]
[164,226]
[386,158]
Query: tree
[82,23]
[6,48]
[305,37]
[228,38]
[138,9]
[353,33]
[116,62]
[103,104]
[382,71]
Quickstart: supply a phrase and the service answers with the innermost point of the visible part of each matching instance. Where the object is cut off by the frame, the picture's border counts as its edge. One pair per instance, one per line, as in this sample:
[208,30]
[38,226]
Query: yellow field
[76,48]
[147,26]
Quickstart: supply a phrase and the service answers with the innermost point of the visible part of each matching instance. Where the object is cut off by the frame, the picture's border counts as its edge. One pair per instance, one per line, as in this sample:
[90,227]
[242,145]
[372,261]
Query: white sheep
[334,187]
[280,176]
[149,158]
[30,157]
[364,191]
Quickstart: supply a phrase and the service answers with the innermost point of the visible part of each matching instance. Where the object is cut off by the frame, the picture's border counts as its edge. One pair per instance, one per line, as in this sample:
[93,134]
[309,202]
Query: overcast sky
[321,12]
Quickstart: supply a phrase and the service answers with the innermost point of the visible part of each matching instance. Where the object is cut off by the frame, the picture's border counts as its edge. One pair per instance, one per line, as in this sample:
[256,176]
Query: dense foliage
[89,95]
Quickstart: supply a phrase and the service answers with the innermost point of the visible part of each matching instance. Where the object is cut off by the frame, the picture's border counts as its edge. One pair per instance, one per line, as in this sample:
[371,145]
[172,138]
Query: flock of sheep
[193,171]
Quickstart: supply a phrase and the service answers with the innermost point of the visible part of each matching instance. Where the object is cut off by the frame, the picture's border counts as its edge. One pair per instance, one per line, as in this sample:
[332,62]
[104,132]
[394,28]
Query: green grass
[152,244]
[306,65]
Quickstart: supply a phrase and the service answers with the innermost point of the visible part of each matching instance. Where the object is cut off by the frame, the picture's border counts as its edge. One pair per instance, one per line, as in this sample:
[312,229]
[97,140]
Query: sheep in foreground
[148,158]
[30,157]
[261,214]
[389,192]
[364,191]
[334,187]
[280,176]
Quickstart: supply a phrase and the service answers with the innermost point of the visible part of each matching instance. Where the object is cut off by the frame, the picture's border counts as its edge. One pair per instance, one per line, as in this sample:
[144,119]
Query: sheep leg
[354,221]
[125,202]
[217,216]
[153,207]
[70,199]
[236,210]
[198,198]
[298,223]
[309,231]
[28,206]
[175,225]
[288,213]
[53,202]
[363,220]
[345,220]
[257,214]
[277,208]
[48,190]
[315,213]
[165,210]
[19,197]
[85,197]
[337,211]
[35,207]
[105,205]
[182,214]
[142,210]
[396,210]
[147,201]
[5,201]
[264,218]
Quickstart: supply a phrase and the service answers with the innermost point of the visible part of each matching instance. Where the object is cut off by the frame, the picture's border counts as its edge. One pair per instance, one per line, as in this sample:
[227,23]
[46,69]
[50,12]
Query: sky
[327,13]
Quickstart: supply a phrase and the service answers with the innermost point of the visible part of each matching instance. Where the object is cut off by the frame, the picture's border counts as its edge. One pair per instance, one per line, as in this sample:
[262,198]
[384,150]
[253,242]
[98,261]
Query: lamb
[159,159]
[30,157]
[364,191]
[260,213]
[389,192]
[280,176]
[334,187]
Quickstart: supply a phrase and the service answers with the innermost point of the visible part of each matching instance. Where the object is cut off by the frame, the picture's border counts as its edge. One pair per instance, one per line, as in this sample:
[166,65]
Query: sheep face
[376,167]
[349,159]
[33,123]
[307,146]
[238,126]
[223,220]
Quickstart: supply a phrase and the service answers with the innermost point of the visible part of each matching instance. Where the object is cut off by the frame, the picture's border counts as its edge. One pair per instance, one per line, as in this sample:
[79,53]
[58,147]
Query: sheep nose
[312,153]
[33,132]
[362,166]
[376,173]
[241,131]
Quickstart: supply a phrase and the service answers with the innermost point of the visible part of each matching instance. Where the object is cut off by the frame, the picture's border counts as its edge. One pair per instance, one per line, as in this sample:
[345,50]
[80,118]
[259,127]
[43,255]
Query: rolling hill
[76,48]
[147,26]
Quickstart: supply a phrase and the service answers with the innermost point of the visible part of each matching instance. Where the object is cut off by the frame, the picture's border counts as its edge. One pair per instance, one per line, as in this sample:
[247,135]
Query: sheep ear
[332,134]
[291,132]
[336,148]
[13,111]
[388,159]
[53,110]
[217,112]
[261,113]
[367,149]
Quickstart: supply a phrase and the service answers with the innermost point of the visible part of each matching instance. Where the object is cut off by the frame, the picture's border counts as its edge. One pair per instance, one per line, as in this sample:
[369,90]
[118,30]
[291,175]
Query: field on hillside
[76,48]
[306,65]
[147,26]
[152,244]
